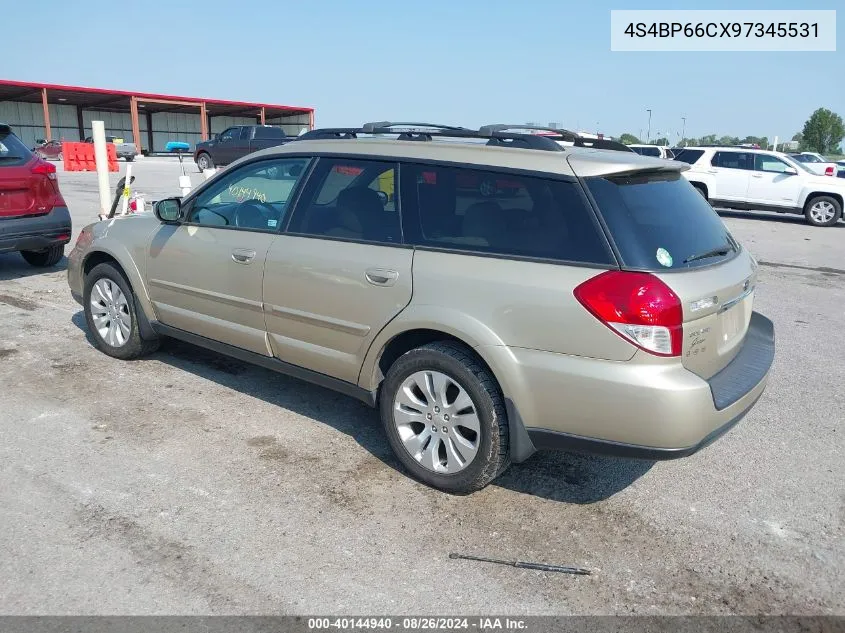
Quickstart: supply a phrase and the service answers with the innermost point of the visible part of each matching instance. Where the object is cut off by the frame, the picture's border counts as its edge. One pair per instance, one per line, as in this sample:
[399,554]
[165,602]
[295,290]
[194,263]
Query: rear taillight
[44,168]
[639,307]
[45,186]
[829,171]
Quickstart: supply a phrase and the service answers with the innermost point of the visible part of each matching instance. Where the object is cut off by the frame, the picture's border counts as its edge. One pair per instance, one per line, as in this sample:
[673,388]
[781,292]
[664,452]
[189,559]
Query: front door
[205,275]
[225,149]
[341,273]
[772,184]
[733,172]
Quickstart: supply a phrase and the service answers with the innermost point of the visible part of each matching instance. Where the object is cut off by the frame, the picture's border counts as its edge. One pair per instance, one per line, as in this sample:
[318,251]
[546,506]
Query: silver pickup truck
[124,150]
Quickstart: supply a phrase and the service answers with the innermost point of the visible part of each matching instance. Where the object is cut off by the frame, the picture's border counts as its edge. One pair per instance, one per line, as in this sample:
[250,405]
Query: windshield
[659,221]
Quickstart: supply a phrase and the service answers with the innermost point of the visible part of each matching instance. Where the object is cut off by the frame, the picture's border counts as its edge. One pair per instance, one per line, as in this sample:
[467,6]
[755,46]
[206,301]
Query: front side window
[254,197]
[647,151]
[230,134]
[769,163]
[733,160]
[350,199]
[503,214]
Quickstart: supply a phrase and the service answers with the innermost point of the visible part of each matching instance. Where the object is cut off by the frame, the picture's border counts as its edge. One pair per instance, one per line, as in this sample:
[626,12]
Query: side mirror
[168,210]
[791,171]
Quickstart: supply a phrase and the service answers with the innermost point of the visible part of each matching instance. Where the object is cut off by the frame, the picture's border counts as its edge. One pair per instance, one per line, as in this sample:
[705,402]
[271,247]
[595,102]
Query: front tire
[445,418]
[823,211]
[109,305]
[45,258]
[129,159]
[204,162]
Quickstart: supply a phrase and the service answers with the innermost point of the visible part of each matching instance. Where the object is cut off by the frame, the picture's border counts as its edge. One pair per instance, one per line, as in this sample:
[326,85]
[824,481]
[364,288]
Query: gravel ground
[189,483]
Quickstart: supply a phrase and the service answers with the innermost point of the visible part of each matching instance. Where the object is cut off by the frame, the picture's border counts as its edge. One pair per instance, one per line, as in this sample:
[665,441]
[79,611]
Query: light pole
[683,129]
[648,135]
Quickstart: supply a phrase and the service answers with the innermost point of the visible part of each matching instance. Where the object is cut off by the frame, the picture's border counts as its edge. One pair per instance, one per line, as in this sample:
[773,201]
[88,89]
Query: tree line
[823,133]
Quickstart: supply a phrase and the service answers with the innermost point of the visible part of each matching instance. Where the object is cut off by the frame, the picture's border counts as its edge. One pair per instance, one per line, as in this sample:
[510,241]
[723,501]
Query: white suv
[760,180]
[657,151]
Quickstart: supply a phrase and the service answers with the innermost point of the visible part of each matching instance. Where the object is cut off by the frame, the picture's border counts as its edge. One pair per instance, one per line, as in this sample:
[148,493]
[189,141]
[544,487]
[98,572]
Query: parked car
[840,164]
[34,219]
[236,142]
[124,150]
[816,163]
[766,181]
[657,151]
[48,150]
[482,330]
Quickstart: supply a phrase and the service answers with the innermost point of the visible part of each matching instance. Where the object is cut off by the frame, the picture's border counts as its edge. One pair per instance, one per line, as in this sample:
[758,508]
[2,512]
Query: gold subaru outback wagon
[493,292]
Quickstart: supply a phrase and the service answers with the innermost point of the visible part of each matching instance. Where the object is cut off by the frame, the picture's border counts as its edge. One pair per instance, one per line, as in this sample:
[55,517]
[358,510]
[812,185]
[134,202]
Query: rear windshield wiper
[9,157]
[716,252]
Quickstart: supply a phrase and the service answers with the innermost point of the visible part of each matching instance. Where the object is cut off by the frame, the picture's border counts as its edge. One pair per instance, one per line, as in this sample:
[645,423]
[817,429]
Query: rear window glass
[269,132]
[12,150]
[689,156]
[504,214]
[659,221]
[647,151]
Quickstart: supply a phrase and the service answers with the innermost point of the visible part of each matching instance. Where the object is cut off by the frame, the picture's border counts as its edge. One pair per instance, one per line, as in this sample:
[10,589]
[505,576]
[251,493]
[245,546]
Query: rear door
[341,272]
[771,185]
[732,171]
[660,224]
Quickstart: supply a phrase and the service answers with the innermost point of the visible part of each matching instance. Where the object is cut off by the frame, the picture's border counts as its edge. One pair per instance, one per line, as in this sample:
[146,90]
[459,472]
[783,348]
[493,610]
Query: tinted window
[351,199]
[733,160]
[253,197]
[659,221]
[230,134]
[267,132]
[12,150]
[647,151]
[762,162]
[506,214]
[689,156]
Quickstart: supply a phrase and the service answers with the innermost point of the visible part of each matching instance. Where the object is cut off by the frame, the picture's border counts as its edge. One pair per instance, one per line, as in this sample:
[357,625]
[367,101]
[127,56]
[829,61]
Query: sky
[461,62]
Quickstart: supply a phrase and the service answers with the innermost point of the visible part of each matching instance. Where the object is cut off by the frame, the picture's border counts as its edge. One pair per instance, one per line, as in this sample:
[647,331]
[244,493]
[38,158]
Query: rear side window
[350,199]
[647,151]
[689,156]
[12,150]
[267,132]
[733,160]
[659,221]
[501,213]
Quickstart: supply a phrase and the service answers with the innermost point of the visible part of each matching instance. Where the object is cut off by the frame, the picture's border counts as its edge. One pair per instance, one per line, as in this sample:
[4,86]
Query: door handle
[381,276]
[756,175]
[243,256]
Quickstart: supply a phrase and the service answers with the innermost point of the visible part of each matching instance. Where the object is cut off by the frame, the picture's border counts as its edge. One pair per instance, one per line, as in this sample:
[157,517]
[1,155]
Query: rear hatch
[661,225]
[16,191]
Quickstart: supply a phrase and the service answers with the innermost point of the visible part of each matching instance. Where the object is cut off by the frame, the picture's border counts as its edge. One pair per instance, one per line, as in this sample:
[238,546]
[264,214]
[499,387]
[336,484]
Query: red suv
[34,218]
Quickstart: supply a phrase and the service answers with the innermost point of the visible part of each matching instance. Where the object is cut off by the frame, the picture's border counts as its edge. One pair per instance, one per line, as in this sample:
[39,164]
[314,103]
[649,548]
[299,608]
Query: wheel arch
[143,305]
[826,194]
[426,324]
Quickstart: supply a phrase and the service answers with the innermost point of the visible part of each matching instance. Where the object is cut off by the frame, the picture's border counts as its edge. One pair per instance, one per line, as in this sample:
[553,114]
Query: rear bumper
[630,409]
[35,232]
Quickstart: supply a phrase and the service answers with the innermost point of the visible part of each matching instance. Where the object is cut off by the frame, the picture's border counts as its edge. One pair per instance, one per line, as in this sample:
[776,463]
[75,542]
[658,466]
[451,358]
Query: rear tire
[111,316]
[204,162]
[43,259]
[437,428]
[822,211]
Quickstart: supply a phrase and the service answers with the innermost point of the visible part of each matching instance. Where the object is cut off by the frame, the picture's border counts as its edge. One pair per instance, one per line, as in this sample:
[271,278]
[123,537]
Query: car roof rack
[329,133]
[559,134]
[428,131]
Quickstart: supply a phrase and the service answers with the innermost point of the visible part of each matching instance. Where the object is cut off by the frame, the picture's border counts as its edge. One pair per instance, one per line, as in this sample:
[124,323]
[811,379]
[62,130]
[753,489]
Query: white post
[124,204]
[101,157]
[776,144]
